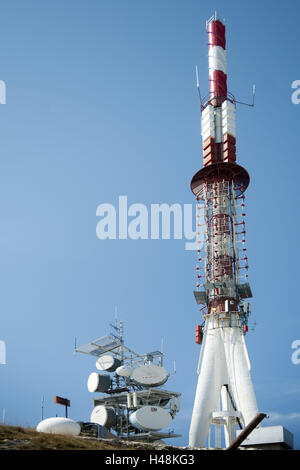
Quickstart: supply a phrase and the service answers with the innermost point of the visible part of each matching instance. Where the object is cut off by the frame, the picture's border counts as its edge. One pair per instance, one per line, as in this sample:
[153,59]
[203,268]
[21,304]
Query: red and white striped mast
[222,279]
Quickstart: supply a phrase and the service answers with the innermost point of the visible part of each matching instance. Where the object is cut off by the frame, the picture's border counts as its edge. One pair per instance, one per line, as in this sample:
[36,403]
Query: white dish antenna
[124,371]
[150,418]
[103,415]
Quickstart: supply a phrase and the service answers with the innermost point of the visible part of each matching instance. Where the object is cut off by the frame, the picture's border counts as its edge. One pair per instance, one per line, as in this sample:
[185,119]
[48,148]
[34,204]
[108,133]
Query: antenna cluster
[132,405]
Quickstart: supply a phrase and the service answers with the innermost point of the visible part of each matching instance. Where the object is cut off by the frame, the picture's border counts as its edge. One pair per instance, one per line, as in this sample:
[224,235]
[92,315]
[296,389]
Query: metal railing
[214,17]
[207,99]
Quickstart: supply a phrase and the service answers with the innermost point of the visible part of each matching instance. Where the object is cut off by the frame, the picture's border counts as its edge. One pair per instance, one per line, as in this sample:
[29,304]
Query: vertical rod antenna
[121,332]
[253,94]
[42,407]
[162,351]
[197,84]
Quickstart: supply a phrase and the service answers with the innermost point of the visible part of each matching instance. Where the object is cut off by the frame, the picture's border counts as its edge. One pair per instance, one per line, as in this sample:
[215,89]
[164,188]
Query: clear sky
[101,102]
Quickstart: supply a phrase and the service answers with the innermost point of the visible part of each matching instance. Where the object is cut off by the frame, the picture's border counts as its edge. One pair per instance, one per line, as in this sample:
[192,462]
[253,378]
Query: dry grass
[16,437]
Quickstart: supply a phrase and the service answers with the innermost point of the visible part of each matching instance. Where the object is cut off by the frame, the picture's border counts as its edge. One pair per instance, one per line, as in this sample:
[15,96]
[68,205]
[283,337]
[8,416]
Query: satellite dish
[108,363]
[150,375]
[124,371]
[98,382]
[103,415]
[150,418]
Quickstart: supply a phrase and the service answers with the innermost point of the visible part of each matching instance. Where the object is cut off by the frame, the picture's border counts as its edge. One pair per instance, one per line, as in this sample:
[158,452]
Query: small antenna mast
[197,84]
[162,351]
[121,329]
[116,314]
[42,407]
[253,98]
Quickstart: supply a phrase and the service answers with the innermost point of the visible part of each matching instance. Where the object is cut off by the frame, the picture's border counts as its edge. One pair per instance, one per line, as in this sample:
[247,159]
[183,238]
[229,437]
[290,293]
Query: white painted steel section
[208,123]
[217,59]
[228,129]
[228,118]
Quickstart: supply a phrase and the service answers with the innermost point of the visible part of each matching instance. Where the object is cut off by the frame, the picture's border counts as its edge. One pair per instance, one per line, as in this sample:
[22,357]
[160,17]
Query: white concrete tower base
[223,361]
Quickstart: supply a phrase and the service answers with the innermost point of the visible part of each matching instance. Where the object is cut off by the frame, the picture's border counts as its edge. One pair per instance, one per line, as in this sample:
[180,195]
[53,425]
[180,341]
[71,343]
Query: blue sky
[101,102]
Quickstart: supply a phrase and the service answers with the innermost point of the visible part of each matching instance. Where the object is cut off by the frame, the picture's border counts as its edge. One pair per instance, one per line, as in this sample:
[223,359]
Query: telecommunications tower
[224,394]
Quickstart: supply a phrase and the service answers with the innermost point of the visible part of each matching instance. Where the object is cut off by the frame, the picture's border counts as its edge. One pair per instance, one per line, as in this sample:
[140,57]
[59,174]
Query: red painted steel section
[217,79]
[218,84]
[216,34]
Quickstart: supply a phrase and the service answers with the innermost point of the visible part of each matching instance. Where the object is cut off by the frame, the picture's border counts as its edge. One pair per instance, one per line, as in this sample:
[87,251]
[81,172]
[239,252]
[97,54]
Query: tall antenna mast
[116,314]
[121,330]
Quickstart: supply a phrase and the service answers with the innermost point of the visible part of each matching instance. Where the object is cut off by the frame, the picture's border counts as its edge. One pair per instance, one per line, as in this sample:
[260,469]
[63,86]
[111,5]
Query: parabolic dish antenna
[150,375]
[150,418]
[124,371]
[103,415]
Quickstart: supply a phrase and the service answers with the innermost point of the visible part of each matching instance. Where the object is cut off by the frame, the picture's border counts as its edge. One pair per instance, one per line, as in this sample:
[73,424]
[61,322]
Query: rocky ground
[18,438]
